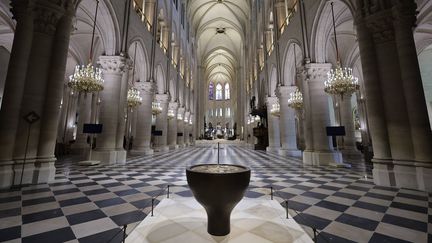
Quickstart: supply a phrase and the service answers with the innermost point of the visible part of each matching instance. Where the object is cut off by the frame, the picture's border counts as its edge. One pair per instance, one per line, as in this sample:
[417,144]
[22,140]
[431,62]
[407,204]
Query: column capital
[317,71]
[47,13]
[145,87]
[113,64]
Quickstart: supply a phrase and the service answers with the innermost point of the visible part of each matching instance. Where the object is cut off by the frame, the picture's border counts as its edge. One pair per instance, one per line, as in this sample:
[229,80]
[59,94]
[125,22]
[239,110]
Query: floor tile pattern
[91,204]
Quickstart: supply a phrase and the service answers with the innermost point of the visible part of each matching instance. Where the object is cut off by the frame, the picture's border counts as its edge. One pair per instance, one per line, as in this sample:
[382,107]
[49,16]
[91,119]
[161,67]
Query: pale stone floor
[91,204]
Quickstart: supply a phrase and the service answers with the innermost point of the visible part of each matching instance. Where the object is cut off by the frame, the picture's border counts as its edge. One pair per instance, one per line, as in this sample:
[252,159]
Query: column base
[383,174]
[273,149]
[352,153]
[173,147]
[44,170]
[145,151]
[161,149]
[405,174]
[318,158]
[109,156]
[27,173]
[424,176]
[81,151]
[6,174]
[290,152]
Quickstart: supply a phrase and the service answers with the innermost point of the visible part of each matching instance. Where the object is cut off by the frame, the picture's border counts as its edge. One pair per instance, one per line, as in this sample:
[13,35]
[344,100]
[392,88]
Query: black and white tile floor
[90,204]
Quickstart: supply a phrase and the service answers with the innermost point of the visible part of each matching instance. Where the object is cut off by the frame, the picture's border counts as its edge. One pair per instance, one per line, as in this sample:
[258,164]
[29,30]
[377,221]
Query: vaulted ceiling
[220,30]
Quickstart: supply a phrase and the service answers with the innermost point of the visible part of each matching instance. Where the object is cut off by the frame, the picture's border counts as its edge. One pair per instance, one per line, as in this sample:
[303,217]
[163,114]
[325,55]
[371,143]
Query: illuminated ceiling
[220,29]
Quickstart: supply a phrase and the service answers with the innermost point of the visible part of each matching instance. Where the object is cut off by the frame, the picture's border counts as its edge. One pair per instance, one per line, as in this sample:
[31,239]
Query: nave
[91,204]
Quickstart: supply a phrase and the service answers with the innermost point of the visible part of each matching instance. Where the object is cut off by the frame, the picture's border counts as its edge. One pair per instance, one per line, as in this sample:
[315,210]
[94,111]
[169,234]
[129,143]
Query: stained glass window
[219,92]
[227,91]
[211,91]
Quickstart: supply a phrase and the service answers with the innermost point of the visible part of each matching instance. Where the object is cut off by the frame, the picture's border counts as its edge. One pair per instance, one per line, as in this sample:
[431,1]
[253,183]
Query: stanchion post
[124,233]
[271,193]
[286,208]
[152,207]
[168,191]
[315,235]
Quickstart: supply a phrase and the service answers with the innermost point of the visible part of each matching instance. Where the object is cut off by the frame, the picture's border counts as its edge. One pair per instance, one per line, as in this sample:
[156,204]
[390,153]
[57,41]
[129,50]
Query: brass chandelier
[275,110]
[87,78]
[340,81]
[133,98]
[156,108]
[296,100]
[170,114]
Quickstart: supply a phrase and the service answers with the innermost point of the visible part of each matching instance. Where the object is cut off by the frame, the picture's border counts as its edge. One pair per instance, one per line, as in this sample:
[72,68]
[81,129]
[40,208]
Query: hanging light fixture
[156,108]
[295,100]
[170,114]
[275,110]
[87,78]
[179,117]
[133,98]
[341,81]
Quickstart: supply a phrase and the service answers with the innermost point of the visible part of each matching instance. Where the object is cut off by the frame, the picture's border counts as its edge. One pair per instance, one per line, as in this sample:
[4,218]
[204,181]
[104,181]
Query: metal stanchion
[271,193]
[152,207]
[168,191]
[286,208]
[124,233]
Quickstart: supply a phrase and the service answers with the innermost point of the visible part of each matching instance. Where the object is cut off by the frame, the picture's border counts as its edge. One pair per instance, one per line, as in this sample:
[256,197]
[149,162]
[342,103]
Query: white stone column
[320,151]
[81,144]
[141,143]
[106,144]
[162,123]
[287,124]
[180,127]
[186,128]
[172,126]
[14,87]
[349,141]
[273,126]
[122,106]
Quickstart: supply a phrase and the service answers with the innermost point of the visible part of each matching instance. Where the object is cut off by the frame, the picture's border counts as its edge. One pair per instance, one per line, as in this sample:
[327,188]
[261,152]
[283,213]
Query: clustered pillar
[397,112]
[42,39]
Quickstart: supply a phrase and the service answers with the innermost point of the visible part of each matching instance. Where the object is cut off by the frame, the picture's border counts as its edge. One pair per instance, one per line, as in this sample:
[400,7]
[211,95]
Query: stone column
[162,123]
[186,128]
[349,140]
[122,106]
[106,146]
[141,144]
[81,144]
[404,14]
[42,92]
[45,169]
[320,149]
[273,126]
[14,87]
[382,159]
[172,127]
[180,127]
[287,124]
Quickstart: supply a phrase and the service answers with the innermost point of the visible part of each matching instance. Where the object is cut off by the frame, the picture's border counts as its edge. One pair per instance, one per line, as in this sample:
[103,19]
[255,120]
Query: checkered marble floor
[91,204]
